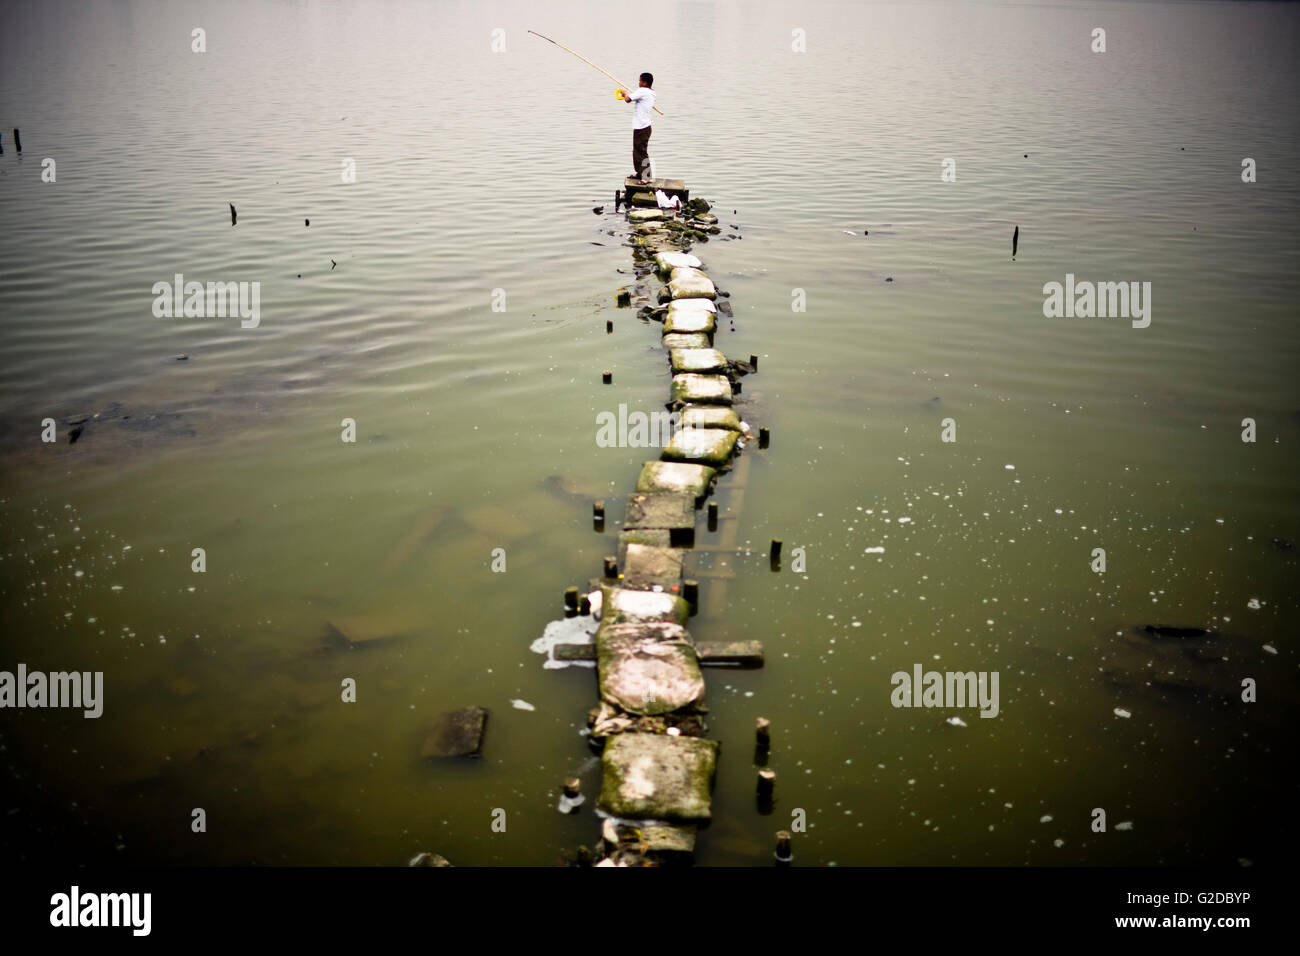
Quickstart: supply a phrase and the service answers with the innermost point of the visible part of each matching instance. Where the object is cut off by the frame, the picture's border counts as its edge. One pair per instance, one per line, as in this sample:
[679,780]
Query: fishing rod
[589,63]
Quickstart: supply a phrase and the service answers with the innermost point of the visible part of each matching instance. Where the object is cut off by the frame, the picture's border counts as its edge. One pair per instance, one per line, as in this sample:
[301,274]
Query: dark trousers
[641,152]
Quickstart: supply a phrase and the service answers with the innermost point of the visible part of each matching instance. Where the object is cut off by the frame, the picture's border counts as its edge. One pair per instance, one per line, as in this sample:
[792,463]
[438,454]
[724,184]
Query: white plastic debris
[1270,649]
[1121,712]
[1253,604]
[1045,818]
[1126,825]
[665,202]
[521,705]
[567,630]
[955,722]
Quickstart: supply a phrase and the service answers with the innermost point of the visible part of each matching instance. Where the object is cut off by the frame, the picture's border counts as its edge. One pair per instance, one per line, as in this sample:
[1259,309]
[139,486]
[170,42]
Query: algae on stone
[646,567]
[668,261]
[694,320]
[648,668]
[627,606]
[697,360]
[686,340]
[691,284]
[690,388]
[710,416]
[709,446]
[653,777]
[657,476]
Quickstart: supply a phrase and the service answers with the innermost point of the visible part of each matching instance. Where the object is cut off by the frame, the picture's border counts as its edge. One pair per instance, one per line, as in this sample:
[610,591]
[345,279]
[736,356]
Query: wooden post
[571,599]
[764,437]
[611,567]
[691,592]
[713,516]
[753,362]
[572,787]
[609,325]
[783,854]
[763,732]
[776,551]
[607,376]
[766,781]
[736,386]
[18,140]
[584,605]
[598,510]
[624,299]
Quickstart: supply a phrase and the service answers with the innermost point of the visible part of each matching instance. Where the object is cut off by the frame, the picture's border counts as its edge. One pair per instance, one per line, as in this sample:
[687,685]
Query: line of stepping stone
[657,767]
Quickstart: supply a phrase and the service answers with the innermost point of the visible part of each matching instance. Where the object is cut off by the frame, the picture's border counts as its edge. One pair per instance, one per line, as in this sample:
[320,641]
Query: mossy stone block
[659,476]
[697,360]
[690,388]
[628,606]
[657,777]
[710,416]
[689,320]
[648,669]
[686,340]
[706,446]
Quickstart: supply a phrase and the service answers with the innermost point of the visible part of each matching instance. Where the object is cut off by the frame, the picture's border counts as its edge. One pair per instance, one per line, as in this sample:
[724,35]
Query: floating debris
[521,705]
[955,722]
[1121,712]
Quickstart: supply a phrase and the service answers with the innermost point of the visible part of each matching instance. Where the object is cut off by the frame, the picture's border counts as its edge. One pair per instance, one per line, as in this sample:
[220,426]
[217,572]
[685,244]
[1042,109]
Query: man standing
[643,101]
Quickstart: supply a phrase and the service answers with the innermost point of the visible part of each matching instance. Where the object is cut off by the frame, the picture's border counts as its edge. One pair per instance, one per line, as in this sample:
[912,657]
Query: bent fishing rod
[589,63]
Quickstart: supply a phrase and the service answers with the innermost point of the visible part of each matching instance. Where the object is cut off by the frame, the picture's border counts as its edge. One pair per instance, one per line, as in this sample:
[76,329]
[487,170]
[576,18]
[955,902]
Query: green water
[477,171]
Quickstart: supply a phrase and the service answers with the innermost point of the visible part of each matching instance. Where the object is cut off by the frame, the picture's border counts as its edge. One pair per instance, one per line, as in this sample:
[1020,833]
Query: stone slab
[692,305]
[626,606]
[693,320]
[704,361]
[645,567]
[648,669]
[705,446]
[644,215]
[650,538]
[689,388]
[654,777]
[660,476]
[668,261]
[687,340]
[457,733]
[668,510]
[691,284]
[710,416]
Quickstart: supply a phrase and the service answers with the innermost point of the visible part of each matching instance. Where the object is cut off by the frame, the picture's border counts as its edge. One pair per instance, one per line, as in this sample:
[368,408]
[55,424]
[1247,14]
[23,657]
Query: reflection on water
[476,428]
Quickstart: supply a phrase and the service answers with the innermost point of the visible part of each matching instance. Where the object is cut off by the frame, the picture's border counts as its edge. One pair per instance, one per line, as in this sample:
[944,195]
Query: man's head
[647,79]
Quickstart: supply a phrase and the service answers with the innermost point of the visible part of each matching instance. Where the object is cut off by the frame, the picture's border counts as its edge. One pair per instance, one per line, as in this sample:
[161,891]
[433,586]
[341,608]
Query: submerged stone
[653,777]
[690,388]
[709,416]
[644,215]
[697,360]
[691,284]
[626,606]
[686,340]
[648,668]
[709,446]
[668,261]
[659,476]
[457,733]
[694,320]
[646,567]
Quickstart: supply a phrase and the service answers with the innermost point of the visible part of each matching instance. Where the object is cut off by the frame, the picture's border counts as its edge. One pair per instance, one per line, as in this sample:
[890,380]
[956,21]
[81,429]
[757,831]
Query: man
[643,101]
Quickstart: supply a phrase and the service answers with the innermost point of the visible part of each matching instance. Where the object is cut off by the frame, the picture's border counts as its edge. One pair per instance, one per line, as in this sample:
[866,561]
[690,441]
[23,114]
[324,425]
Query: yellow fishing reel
[620,93]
